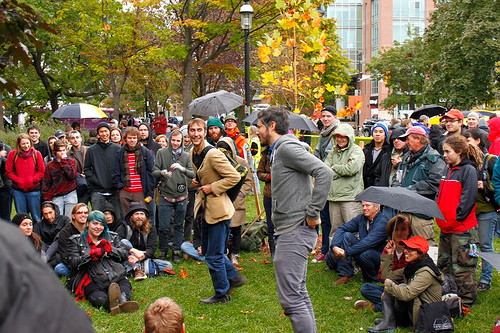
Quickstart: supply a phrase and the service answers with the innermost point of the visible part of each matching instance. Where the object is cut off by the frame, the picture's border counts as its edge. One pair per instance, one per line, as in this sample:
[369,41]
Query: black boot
[111,303]
[388,323]
[126,305]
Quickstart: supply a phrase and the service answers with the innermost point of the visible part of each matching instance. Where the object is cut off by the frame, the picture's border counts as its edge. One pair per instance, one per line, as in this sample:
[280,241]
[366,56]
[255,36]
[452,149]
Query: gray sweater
[293,194]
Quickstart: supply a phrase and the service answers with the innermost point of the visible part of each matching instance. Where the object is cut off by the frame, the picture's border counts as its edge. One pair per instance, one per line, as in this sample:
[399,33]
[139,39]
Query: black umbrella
[430,110]
[401,199]
[296,121]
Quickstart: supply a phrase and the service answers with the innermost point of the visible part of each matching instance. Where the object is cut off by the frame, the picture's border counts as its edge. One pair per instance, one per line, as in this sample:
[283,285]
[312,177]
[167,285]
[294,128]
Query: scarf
[325,138]
[412,267]
[138,162]
[176,153]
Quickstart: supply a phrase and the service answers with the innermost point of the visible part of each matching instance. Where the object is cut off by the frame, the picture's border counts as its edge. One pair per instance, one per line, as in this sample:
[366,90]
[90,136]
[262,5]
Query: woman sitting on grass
[422,283]
[97,256]
[392,259]
[25,224]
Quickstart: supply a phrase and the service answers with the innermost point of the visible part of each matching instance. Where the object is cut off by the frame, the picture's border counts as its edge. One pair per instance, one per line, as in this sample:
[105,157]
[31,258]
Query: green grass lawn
[255,307]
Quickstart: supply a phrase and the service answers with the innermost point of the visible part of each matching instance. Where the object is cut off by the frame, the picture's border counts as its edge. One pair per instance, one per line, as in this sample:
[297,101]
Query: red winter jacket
[457,198]
[24,174]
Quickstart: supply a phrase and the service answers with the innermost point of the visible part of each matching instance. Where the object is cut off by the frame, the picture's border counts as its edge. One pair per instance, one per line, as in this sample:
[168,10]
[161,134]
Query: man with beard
[99,162]
[324,146]
[78,152]
[214,176]
[215,131]
[140,238]
[133,171]
[296,207]
[172,166]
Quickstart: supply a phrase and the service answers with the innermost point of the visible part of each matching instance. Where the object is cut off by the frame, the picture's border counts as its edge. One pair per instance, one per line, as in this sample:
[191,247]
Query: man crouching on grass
[296,207]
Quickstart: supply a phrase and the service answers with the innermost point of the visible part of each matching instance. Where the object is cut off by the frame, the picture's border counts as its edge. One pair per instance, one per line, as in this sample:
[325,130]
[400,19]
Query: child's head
[164,316]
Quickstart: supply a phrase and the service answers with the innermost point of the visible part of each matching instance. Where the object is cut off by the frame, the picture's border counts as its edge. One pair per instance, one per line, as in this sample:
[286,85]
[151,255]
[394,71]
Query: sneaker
[319,258]
[343,280]
[234,259]
[483,286]
[175,257]
[361,304]
[139,274]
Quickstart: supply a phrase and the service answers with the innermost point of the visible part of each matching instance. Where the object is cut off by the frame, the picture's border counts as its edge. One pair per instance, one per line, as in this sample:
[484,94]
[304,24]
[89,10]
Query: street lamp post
[246,13]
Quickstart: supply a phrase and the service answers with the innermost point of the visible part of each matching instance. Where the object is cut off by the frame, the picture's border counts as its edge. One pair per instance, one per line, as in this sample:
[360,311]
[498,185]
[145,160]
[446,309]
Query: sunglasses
[83,213]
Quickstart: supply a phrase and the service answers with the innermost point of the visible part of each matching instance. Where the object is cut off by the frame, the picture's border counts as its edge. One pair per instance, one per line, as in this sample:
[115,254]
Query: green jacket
[174,186]
[347,165]
[424,286]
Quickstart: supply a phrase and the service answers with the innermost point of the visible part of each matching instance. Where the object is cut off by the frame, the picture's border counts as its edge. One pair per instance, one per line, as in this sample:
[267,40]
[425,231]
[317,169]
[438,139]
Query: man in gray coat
[296,206]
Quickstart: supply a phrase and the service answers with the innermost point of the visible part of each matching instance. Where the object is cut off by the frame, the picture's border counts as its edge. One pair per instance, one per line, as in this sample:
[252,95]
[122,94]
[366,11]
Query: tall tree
[207,29]
[295,56]
[403,69]
[463,45]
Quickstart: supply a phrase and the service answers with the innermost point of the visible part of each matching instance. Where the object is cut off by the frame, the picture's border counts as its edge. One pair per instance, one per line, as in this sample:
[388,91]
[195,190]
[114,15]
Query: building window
[374,88]
[375,27]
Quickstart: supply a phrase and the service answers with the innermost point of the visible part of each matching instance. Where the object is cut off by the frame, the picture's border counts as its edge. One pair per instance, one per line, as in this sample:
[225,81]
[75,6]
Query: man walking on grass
[296,207]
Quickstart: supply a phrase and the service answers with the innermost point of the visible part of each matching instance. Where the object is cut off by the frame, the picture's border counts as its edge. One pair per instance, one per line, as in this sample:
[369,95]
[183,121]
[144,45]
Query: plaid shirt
[396,264]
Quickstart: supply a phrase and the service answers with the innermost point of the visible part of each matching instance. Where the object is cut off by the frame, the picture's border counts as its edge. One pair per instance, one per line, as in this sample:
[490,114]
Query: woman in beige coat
[240,206]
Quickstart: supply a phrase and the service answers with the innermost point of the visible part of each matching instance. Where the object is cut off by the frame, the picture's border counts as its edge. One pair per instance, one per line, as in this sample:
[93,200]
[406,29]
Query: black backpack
[486,175]
[242,170]
[434,317]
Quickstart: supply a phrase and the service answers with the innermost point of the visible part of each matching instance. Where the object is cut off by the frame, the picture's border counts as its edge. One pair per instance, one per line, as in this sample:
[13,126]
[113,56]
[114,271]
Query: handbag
[434,317]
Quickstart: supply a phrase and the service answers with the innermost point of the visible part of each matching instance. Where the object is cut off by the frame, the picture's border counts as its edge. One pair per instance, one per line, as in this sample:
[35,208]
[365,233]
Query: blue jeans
[164,214]
[188,248]
[66,202]
[61,270]
[373,293]
[213,243]
[290,270]
[486,224]
[326,227]
[368,261]
[28,202]
[162,264]
[5,203]
[268,207]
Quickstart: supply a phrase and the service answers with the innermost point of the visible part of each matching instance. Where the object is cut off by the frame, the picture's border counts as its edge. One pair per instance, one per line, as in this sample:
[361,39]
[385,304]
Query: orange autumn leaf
[320,67]
[290,42]
[89,313]
[358,105]
[184,273]
[253,259]
[266,261]
[306,48]
[305,16]
[202,317]
[282,313]
[168,271]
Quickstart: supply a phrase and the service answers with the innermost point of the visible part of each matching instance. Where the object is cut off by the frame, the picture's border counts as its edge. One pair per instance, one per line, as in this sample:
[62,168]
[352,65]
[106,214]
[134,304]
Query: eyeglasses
[83,213]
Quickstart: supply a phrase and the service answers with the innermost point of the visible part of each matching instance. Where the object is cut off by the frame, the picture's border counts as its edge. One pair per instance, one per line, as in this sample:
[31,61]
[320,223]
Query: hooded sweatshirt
[174,186]
[117,226]
[294,196]
[347,166]
[48,231]
[150,143]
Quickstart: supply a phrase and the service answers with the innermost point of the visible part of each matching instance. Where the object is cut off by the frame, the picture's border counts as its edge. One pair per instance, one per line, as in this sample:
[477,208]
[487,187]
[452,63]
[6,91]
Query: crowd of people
[99,213]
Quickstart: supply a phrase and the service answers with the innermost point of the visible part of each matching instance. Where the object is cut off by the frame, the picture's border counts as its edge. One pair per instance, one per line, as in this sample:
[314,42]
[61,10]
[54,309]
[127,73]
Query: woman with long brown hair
[25,168]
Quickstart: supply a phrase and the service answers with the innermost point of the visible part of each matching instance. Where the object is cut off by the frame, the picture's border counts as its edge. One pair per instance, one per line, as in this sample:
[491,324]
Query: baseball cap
[453,114]
[59,134]
[415,130]
[417,243]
